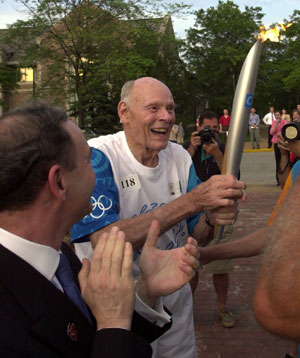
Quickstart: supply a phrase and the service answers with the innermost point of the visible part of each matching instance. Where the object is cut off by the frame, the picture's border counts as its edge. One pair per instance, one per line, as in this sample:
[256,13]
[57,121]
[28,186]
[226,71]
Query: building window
[26,74]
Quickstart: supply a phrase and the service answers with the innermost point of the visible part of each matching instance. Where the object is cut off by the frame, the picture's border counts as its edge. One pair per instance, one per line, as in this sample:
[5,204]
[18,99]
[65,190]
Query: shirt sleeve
[192,183]
[295,171]
[104,200]
[157,315]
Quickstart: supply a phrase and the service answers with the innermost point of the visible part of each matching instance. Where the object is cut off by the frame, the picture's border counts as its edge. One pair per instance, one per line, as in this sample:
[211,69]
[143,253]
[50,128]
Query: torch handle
[220,228]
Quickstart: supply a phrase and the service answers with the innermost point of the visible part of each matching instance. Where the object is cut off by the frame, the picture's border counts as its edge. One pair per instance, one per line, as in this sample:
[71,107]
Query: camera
[291,131]
[207,135]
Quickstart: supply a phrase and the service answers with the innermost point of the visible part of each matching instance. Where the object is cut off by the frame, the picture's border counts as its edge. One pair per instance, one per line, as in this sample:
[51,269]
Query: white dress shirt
[269,118]
[45,260]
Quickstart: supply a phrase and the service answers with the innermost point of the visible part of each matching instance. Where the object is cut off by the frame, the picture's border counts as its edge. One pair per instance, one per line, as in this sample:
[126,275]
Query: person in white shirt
[46,181]
[268,119]
[141,175]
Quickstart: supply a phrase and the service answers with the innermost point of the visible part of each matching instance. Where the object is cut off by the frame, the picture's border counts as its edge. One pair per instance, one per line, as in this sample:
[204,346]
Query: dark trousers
[277,159]
[269,137]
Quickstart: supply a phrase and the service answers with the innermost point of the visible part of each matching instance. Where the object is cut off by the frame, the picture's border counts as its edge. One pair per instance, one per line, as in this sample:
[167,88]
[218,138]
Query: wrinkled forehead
[150,90]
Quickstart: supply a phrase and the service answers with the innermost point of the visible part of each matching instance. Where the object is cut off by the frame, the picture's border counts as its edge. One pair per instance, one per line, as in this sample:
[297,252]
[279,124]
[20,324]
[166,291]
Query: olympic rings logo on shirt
[102,204]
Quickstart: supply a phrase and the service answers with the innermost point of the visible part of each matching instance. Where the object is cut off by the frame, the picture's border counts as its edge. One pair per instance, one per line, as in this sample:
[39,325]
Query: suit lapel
[55,320]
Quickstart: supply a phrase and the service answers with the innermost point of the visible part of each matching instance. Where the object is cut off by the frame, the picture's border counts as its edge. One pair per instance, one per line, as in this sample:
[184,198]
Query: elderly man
[46,181]
[141,176]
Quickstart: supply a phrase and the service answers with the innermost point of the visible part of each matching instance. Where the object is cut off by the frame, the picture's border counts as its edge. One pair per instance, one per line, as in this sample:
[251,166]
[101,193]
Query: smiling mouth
[159,131]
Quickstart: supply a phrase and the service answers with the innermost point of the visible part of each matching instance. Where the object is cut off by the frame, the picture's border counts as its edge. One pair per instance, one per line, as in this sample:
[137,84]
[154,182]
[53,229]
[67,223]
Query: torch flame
[272,34]
[284,27]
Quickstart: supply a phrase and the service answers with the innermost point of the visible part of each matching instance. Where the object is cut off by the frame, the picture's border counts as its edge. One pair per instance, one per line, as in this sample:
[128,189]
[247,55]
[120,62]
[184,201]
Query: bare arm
[212,194]
[274,127]
[276,300]
[250,245]
[203,232]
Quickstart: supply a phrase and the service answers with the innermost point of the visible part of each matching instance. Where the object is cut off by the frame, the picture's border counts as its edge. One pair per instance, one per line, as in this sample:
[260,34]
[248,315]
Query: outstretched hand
[166,271]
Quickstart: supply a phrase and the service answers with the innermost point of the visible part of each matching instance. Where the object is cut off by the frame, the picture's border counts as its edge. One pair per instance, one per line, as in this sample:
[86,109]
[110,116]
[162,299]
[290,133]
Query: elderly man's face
[150,116]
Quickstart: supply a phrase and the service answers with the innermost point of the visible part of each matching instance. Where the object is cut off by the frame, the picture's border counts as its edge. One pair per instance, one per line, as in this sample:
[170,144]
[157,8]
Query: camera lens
[206,138]
[291,131]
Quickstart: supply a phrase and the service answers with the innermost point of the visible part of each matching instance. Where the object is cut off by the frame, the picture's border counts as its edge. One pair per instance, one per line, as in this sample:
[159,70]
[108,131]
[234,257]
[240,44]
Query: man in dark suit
[46,181]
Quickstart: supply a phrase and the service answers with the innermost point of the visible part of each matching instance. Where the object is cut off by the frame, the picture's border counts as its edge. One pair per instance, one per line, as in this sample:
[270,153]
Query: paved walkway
[246,339]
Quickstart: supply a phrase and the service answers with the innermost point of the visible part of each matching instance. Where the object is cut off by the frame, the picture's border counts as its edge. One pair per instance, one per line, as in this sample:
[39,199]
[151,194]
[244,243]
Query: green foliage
[8,82]
[216,49]
[96,45]
[290,63]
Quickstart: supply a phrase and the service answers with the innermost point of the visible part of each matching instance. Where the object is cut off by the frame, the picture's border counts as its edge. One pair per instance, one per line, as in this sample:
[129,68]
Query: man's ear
[56,182]
[123,112]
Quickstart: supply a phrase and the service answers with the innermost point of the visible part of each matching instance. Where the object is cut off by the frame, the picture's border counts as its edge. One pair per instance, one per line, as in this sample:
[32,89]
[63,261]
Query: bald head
[147,111]
[138,87]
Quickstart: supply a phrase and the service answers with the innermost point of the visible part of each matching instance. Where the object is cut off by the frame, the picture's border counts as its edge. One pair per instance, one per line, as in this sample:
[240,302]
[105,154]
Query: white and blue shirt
[125,188]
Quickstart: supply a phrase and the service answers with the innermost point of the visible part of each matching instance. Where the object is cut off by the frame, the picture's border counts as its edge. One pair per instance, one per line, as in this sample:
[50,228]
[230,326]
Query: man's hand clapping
[107,283]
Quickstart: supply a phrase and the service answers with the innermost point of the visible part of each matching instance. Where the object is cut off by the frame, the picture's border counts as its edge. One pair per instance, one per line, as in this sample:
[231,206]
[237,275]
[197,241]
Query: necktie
[65,277]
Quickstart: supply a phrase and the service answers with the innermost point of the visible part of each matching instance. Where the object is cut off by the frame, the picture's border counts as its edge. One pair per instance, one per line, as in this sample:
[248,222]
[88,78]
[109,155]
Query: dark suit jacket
[38,320]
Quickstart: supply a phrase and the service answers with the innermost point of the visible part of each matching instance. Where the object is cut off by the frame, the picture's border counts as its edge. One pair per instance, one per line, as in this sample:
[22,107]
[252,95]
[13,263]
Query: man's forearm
[136,228]
[250,245]
[204,230]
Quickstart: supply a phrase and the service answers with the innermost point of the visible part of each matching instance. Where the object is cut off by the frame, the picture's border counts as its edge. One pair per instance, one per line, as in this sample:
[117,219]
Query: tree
[8,82]
[95,44]
[289,65]
[9,74]
[216,48]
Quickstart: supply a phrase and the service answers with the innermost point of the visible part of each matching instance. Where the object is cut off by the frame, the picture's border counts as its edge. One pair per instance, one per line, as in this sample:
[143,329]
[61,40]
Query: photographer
[289,150]
[207,155]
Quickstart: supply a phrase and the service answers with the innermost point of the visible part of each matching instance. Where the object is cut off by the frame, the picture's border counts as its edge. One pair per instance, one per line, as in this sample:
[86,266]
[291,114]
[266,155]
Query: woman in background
[285,116]
[275,130]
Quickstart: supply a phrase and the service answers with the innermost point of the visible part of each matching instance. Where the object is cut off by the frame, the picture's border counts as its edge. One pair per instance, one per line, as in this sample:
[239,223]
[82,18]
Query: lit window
[26,74]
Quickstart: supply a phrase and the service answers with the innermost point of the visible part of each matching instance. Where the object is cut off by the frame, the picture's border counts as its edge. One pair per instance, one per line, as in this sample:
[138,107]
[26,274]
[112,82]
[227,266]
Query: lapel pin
[72,332]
